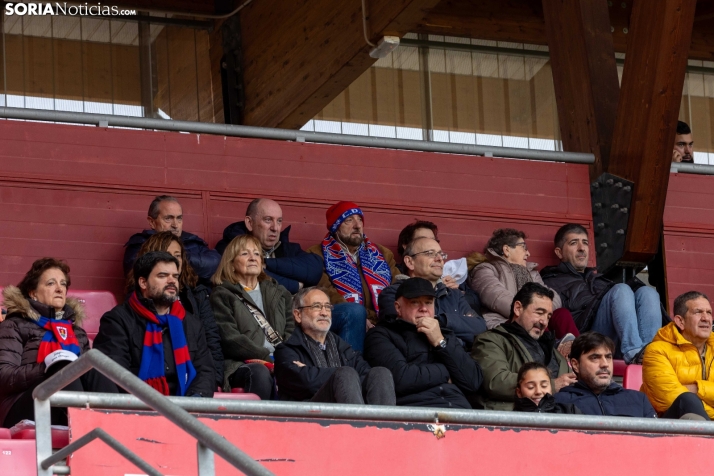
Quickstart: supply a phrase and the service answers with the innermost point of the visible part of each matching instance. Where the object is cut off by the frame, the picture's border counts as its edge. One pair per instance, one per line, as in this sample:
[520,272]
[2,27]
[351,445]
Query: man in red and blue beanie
[355,272]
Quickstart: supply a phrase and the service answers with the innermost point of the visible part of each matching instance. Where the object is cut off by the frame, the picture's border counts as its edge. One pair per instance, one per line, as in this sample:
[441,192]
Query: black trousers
[687,402]
[344,387]
[24,407]
[253,378]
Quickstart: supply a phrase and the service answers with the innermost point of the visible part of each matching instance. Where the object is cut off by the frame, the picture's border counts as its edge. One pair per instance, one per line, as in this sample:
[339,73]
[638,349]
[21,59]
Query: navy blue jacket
[204,261]
[450,307]
[614,401]
[291,264]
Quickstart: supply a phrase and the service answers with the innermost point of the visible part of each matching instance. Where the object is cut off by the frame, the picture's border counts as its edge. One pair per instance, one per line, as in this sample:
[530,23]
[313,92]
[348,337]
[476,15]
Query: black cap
[415,287]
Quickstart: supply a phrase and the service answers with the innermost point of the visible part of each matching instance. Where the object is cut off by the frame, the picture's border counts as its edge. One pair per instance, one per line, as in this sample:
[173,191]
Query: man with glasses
[316,365]
[429,364]
[423,258]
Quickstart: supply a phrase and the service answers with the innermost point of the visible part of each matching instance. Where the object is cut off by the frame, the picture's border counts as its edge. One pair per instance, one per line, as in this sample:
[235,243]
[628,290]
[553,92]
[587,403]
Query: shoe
[637,359]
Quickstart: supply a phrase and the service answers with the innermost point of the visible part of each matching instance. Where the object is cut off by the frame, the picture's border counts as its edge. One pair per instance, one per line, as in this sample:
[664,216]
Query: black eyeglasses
[431,254]
[318,306]
[523,244]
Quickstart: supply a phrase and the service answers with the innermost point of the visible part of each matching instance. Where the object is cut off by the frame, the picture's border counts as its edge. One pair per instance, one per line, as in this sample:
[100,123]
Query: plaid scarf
[59,336]
[151,369]
[344,272]
[330,348]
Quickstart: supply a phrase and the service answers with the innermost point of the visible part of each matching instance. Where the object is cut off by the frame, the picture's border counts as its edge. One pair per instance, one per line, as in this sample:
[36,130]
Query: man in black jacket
[166,214]
[317,365]
[423,258]
[428,362]
[628,317]
[595,393]
[154,310]
[286,262]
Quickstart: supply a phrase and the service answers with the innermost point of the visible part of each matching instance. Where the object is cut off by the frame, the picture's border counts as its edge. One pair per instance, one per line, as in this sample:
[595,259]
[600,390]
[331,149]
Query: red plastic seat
[633,377]
[60,438]
[5,434]
[95,303]
[236,396]
[18,457]
[618,368]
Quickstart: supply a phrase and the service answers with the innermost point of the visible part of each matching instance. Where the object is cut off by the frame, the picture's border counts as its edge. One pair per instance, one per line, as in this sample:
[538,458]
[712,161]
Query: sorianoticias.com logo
[48,8]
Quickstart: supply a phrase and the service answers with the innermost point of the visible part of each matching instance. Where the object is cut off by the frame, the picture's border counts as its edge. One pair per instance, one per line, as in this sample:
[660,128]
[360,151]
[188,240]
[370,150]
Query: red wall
[78,193]
[689,235]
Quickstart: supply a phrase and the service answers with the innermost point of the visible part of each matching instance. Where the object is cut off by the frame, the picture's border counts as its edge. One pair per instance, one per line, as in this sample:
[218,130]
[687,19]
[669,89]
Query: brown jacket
[19,343]
[495,284]
[336,297]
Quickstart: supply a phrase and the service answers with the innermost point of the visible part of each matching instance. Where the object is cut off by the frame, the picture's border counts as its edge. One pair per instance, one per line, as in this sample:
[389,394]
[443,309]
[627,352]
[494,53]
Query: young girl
[533,392]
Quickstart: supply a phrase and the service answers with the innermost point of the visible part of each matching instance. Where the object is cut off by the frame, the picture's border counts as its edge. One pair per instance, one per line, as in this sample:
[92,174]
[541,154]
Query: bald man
[286,262]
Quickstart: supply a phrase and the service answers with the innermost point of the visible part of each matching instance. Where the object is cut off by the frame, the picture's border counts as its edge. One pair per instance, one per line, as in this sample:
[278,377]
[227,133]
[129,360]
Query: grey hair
[154,207]
[680,307]
[409,250]
[299,298]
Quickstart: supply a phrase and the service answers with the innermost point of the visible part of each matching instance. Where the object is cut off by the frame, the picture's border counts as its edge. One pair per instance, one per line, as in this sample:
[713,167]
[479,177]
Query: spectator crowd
[343,322]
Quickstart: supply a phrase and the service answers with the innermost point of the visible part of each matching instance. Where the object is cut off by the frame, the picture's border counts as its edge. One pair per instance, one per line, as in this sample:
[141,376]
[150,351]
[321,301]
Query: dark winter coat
[450,307]
[241,335]
[580,293]
[421,371]
[20,341]
[291,265]
[121,337]
[546,405]
[613,401]
[301,383]
[204,261]
[196,301]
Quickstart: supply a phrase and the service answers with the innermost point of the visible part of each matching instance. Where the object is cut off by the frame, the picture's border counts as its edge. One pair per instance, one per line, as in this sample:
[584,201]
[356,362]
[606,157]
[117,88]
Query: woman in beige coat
[506,270]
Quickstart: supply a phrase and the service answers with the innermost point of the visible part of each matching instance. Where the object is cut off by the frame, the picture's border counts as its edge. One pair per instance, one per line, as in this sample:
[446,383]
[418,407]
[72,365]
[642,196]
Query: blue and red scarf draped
[59,336]
[344,272]
[151,369]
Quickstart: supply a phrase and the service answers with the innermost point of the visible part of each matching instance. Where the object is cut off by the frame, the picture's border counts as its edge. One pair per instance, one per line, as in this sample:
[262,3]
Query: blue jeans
[630,319]
[349,321]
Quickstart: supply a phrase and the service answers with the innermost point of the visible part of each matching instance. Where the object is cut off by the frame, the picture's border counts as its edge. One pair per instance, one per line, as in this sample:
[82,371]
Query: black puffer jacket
[301,383]
[421,371]
[580,293]
[121,337]
[196,301]
[20,341]
[614,401]
[546,405]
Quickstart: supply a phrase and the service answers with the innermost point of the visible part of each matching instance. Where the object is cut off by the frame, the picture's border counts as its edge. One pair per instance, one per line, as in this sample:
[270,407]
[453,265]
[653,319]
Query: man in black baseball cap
[428,363]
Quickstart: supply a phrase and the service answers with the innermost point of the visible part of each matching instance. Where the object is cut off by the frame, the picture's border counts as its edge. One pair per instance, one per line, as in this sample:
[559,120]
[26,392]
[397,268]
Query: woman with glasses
[254,315]
[501,276]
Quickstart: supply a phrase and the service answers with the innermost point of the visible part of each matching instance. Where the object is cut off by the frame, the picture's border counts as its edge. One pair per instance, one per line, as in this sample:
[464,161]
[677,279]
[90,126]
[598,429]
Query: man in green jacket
[504,349]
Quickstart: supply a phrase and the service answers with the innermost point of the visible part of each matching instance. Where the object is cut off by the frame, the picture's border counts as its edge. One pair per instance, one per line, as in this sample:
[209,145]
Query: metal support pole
[206,461]
[43,434]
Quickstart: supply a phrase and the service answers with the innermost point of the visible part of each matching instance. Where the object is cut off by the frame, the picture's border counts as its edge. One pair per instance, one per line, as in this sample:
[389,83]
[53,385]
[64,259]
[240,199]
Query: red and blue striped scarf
[344,272]
[59,336]
[151,369]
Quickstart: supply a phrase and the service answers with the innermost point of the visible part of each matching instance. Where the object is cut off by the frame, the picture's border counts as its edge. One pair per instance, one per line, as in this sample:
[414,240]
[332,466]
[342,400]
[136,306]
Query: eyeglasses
[431,254]
[318,306]
[523,244]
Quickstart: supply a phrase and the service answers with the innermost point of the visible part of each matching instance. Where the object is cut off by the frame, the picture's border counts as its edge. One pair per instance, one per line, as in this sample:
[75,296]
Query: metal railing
[209,442]
[698,169]
[104,120]
[395,414]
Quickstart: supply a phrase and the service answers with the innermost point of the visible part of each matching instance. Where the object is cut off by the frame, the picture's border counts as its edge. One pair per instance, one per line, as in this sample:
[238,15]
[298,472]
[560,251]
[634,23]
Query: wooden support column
[656,58]
[299,55]
[584,76]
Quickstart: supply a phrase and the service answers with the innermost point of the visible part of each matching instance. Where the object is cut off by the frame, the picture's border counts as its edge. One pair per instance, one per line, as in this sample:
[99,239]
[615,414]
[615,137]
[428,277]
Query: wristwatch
[442,344]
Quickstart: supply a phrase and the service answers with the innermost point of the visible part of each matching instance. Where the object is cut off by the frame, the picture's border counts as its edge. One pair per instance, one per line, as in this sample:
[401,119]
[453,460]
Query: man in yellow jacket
[677,371]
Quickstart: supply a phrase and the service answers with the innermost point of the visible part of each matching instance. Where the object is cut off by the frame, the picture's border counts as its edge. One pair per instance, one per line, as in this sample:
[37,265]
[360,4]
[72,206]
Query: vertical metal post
[43,434]
[206,461]
[426,112]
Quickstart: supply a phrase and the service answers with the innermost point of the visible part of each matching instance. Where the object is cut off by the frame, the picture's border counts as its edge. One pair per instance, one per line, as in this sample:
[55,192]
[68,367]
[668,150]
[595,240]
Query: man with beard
[595,393]
[503,350]
[683,144]
[355,272]
[153,336]
[316,365]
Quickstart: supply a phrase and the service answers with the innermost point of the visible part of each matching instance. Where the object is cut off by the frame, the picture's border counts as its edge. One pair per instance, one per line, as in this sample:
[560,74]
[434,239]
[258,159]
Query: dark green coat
[241,336]
[501,355]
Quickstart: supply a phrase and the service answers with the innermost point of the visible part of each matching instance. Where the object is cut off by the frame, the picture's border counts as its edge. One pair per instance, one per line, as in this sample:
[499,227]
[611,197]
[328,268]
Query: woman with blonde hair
[192,295]
[254,315]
